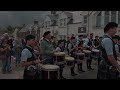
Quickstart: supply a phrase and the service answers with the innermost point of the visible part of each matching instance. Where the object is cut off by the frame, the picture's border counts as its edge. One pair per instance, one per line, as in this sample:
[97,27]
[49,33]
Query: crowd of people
[30,53]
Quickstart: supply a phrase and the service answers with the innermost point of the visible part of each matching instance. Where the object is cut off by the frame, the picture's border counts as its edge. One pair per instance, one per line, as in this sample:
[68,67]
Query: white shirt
[86,43]
[108,45]
[58,49]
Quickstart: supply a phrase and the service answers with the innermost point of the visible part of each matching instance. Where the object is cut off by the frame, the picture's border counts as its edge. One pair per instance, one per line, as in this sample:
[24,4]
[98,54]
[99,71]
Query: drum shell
[70,63]
[50,73]
[59,58]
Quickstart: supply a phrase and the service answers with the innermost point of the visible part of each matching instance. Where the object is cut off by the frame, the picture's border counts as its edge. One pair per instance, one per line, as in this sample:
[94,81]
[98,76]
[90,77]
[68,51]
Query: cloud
[20,17]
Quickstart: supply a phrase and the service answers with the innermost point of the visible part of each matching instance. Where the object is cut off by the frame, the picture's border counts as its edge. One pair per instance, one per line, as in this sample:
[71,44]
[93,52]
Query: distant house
[51,23]
[33,29]
[98,20]
[64,24]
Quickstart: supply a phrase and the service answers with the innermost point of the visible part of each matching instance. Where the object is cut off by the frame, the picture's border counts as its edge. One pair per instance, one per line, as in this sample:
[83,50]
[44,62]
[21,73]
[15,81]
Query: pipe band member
[108,68]
[47,49]
[71,48]
[60,48]
[89,45]
[29,59]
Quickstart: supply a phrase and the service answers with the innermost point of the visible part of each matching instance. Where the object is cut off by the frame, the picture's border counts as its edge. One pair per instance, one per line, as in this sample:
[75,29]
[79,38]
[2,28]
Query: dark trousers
[72,69]
[89,61]
[79,67]
[99,59]
[26,76]
[61,70]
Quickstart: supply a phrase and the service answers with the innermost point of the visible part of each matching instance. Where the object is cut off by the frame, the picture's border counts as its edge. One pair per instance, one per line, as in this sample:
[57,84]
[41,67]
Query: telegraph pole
[88,22]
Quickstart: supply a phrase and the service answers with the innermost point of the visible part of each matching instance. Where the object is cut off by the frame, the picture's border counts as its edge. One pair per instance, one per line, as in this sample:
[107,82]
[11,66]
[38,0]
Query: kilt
[105,72]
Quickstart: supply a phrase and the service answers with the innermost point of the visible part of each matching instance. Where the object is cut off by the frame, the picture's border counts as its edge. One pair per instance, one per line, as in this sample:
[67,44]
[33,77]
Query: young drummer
[60,48]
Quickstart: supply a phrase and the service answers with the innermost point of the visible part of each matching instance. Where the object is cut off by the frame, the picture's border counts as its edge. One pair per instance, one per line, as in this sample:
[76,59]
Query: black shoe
[73,74]
[82,70]
[63,78]
[4,72]
[91,68]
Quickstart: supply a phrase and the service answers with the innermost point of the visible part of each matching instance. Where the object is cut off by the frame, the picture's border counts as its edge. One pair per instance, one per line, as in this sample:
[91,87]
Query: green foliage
[10,29]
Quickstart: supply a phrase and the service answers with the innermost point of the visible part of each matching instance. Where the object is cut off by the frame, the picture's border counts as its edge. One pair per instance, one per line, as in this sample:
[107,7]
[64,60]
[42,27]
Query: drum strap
[90,42]
[61,49]
[104,54]
[119,47]
[32,52]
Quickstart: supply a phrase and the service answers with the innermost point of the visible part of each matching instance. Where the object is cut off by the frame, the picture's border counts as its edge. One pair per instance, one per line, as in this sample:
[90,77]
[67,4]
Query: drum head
[80,54]
[50,67]
[86,51]
[59,53]
[69,59]
[95,50]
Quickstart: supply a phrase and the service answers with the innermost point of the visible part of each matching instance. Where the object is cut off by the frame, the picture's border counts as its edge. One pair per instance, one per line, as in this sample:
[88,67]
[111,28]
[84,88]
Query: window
[45,24]
[113,16]
[106,17]
[49,23]
[60,37]
[65,22]
[60,22]
[81,29]
[98,20]
[118,17]
[85,19]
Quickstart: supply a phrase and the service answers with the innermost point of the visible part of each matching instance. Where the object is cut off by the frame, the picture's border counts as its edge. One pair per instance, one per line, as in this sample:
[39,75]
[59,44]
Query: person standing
[108,68]
[29,60]
[17,49]
[71,49]
[89,45]
[47,49]
[5,56]
[60,48]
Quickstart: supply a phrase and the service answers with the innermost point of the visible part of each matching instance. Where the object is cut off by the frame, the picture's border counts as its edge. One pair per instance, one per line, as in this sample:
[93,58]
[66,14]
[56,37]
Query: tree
[10,29]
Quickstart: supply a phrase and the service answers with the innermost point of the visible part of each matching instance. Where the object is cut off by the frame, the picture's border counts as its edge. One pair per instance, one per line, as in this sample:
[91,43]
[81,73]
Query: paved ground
[17,72]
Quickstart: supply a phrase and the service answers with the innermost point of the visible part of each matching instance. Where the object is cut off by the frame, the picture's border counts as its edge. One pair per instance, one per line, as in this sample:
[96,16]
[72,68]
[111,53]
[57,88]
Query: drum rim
[95,50]
[62,53]
[86,51]
[46,68]
[80,53]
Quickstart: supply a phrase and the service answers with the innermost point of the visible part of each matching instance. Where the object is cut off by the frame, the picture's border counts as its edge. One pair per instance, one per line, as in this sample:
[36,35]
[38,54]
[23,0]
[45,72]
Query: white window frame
[85,19]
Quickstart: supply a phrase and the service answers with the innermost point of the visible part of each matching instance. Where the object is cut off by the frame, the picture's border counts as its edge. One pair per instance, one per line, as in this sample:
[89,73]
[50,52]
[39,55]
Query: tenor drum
[59,56]
[69,61]
[80,57]
[50,72]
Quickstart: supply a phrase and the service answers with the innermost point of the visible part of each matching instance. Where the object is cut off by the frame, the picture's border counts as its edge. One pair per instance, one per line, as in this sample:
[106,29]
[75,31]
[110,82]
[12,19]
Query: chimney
[23,25]
[53,12]
[35,22]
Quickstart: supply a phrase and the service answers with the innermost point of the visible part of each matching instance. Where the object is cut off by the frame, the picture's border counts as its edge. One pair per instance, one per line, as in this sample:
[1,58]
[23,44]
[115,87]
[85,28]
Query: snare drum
[87,53]
[50,72]
[80,56]
[69,61]
[59,56]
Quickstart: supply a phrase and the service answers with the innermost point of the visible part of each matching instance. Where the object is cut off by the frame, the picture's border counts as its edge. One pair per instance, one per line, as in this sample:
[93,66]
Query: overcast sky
[20,17]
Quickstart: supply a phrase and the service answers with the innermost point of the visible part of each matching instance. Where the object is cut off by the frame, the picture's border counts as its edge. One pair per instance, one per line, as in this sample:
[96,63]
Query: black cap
[46,33]
[72,38]
[28,37]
